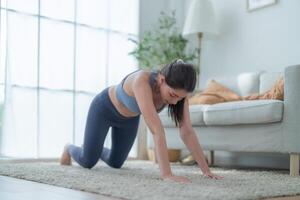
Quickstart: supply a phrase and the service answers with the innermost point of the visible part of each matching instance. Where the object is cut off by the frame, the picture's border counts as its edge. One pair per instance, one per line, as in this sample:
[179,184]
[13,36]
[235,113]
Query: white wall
[150,11]
[266,39]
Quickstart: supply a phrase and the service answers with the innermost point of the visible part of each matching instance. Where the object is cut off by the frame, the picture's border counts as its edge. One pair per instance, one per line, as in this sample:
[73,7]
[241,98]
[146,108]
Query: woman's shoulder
[148,71]
[145,78]
[144,74]
[140,77]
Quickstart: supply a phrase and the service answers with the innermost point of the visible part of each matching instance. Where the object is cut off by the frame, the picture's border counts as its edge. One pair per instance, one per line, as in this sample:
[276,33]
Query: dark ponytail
[179,75]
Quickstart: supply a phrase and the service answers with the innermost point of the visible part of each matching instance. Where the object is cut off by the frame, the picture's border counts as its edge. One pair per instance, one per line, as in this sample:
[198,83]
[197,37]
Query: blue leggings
[102,115]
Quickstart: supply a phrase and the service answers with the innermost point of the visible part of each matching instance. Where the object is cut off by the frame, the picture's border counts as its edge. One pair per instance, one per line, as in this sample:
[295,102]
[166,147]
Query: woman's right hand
[179,179]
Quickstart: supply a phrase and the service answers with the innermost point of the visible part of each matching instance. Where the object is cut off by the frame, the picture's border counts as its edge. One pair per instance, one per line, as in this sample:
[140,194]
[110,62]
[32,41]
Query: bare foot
[65,157]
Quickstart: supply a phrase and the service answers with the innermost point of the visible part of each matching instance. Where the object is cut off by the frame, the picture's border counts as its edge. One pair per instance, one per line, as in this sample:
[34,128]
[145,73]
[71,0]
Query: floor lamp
[200,20]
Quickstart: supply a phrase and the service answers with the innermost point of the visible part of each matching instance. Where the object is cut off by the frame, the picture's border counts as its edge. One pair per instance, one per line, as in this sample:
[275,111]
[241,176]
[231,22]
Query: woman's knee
[116,164]
[89,164]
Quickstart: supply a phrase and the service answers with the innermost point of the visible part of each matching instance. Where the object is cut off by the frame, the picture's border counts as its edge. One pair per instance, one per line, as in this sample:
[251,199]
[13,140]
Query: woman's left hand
[212,176]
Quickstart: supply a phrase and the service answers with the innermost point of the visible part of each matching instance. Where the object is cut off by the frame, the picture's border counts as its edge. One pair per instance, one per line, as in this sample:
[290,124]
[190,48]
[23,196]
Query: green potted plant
[162,44]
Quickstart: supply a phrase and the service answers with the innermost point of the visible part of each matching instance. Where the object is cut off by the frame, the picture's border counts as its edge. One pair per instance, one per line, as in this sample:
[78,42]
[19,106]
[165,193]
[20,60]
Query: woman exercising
[147,93]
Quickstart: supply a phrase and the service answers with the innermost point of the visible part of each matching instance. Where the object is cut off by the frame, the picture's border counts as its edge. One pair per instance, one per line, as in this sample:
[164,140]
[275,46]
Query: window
[55,57]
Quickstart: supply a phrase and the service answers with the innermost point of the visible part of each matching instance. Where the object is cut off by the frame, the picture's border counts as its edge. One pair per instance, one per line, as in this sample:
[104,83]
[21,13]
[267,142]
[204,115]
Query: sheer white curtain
[55,57]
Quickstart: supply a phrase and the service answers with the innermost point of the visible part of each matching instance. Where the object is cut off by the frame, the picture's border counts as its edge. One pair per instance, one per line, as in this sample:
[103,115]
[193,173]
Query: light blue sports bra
[130,101]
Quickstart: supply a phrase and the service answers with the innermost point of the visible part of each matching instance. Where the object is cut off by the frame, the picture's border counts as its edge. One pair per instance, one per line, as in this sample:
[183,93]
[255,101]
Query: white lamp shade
[200,18]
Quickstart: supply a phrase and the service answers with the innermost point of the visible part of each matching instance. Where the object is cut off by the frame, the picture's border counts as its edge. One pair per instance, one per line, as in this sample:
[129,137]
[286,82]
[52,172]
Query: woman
[120,106]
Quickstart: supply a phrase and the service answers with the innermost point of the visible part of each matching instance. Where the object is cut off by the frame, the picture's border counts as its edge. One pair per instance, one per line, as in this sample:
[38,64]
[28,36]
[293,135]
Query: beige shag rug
[140,180]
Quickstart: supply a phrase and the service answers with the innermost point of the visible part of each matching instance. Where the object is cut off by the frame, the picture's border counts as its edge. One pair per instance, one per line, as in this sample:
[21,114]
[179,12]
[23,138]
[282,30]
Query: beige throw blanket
[218,93]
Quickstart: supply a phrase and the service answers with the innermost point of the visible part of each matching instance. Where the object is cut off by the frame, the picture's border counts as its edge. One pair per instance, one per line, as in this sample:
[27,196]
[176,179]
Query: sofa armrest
[291,117]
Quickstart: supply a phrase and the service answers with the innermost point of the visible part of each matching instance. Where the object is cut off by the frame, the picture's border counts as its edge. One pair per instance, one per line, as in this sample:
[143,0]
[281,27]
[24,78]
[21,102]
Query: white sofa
[247,126]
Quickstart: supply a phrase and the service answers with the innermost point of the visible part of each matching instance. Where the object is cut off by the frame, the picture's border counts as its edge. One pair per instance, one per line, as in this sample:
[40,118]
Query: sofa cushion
[242,84]
[214,93]
[244,112]
[276,92]
[267,80]
[196,116]
[248,83]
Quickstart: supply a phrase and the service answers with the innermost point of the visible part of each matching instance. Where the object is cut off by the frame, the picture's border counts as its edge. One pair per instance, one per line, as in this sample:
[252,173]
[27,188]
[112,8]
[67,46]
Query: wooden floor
[18,189]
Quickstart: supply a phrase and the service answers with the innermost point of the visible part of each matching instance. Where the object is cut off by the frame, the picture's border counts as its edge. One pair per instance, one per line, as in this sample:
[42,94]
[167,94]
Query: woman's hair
[179,75]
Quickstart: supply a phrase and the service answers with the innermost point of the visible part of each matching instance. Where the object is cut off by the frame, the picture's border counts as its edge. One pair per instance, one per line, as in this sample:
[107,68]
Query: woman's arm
[189,137]
[143,95]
